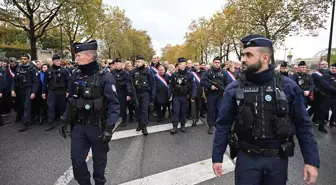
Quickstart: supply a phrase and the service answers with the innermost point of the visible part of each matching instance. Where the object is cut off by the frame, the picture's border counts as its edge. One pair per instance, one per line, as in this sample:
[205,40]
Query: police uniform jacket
[317,77]
[298,115]
[122,81]
[32,75]
[189,82]
[151,87]
[301,79]
[328,84]
[62,71]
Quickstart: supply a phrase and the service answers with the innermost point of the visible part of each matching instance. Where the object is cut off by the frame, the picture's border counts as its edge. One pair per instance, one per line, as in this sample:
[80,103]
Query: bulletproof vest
[120,78]
[181,86]
[23,77]
[302,80]
[262,112]
[332,79]
[56,79]
[141,80]
[216,76]
[88,97]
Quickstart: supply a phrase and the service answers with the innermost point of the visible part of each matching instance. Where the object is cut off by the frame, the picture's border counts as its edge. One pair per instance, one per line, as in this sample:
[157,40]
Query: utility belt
[284,151]
[94,122]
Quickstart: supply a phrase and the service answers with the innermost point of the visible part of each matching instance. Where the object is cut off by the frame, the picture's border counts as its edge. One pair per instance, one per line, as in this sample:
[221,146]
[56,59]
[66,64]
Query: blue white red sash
[168,73]
[162,79]
[318,73]
[198,79]
[11,72]
[154,69]
[232,76]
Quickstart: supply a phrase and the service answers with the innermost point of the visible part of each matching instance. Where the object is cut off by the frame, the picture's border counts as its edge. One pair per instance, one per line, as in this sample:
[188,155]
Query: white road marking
[185,175]
[150,129]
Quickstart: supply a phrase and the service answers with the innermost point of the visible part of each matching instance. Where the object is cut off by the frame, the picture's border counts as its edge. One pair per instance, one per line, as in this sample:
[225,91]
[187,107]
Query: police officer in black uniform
[2,87]
[180,86]
[215,94]
[24,86]
[92,93]
[268,110]
[56,83]
[145,88]
[304,81]
[123,89]
[284,69]
[10,73]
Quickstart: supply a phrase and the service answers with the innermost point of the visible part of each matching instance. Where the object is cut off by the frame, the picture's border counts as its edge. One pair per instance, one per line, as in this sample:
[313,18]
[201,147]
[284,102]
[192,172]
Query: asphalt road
[36,157]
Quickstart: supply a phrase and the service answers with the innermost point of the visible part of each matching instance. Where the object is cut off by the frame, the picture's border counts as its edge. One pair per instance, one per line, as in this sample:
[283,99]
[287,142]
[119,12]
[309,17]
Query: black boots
[123,123]
[23,127]
[144,130]
[139,127]
[210,130]
[183,129]
[322,129]
[50,126]
[194,123]
[174,130]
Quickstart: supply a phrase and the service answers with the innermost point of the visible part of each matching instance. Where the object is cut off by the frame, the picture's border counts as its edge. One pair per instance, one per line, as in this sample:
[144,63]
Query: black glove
[152,99]
[106,136]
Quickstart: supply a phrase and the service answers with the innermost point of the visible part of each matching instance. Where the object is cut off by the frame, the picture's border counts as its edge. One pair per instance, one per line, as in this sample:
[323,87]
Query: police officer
[92,89]
[123,89]
[25,85]
[161,96]
[197,98]
[304,81]
[2,87]
[265,123]
[56,83]
[215,93]
[181,84]
[145,88]
[10,74]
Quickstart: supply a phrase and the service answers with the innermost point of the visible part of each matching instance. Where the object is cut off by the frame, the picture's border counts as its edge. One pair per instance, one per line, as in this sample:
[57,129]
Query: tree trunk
[221,50]
[73,55]
[33,48]
[227,51]
[202,56]
[236,50]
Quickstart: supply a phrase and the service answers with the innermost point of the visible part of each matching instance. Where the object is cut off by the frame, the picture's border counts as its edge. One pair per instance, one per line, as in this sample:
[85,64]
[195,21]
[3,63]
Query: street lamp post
[331,31]
[61,42]
[285,53]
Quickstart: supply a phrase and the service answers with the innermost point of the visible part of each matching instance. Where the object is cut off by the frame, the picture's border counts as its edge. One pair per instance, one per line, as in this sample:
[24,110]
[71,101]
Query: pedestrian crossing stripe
[198,79]
[162,79]
[231,76]
[318,73]
[154,69]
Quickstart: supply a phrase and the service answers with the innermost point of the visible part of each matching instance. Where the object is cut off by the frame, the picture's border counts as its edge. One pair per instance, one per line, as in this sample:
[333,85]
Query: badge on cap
[87,107]
[268,98]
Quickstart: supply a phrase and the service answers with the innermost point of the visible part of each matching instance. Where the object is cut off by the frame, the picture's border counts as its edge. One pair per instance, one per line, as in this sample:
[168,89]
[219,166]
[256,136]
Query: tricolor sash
[154,69]
[232,76]
[318,73]
[198,79]
[168,73]
[163,81]
[11,72]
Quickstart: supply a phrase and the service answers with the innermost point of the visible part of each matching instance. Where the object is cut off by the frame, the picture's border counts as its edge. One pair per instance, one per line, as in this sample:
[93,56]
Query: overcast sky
[166,21]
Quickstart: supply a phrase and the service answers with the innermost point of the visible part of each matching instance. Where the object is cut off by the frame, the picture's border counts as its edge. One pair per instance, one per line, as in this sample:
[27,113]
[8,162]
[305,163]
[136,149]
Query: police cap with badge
[79,47]
[117,60]
[256,40]
[284,64]
[56,57]
[139,57]
[302,63]
[181,59]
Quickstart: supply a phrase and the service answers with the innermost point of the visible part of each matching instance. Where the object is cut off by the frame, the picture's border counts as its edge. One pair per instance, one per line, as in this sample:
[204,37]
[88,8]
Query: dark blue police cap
[302,63]
[139,57]
[181,59]
[79,47]
[333,65]
[256,40]
[117,60]
[56,57]
[216,58]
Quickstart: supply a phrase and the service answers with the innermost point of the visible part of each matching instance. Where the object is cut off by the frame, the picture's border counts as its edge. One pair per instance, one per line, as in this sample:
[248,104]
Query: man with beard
[214,94]
[284,69]
[57,82]
[145,88]
[25,86]
[267,108]
[304,81]
[123,89]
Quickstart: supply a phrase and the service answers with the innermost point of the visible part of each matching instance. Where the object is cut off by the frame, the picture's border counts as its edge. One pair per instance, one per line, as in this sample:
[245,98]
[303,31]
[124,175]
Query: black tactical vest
[141,80]
[216,76]
[88,100]
[263,113]
[303,81]
[56,79]
[23,77]
[120,78]
[182,84]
